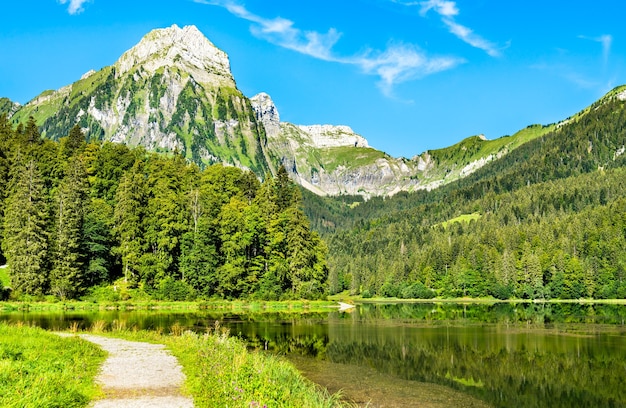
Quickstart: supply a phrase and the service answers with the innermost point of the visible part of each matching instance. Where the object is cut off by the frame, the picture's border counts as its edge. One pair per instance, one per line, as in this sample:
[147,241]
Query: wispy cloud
[282,32]
[468,36]
[400,63]
[396,64]
[606,41]
[75,6]
[442,7]
[448,11]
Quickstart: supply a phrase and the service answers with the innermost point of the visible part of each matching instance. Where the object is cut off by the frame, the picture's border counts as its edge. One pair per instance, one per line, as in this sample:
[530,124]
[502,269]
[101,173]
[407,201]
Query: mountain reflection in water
[428,355]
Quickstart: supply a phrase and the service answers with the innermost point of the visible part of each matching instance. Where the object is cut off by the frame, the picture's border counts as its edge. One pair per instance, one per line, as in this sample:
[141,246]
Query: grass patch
[222,372]
[468,382]
[33,305]
[463,218]
[40,369]
[348,156]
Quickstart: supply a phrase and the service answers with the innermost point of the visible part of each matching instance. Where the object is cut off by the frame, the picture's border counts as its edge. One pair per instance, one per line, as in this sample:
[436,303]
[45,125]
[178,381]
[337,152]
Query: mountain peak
[266,113]
[183,47]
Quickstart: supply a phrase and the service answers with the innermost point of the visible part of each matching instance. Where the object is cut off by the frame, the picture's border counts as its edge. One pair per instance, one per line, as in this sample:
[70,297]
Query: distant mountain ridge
[174,91]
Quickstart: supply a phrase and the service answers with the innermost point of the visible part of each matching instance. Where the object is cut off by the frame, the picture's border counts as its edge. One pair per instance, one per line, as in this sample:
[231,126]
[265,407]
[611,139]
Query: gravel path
[138,375]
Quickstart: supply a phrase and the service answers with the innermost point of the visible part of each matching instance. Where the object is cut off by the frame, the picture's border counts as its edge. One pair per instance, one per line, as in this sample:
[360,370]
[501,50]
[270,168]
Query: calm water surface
[426,355]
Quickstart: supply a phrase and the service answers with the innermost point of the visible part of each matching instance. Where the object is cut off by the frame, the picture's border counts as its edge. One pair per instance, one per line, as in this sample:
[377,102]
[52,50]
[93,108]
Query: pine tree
[284,193]
[165,220]
[31,132]
[73,143]
[130,200]
[25,241]
[68,277]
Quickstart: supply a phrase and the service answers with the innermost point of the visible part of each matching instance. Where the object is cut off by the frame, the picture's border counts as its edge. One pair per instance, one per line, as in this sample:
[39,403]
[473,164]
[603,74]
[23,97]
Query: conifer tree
[128,214]
[31,132]
[25,241]
[67,278]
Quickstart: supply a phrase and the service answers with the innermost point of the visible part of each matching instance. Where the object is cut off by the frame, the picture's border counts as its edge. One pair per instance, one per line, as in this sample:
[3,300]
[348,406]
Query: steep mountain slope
[174,91]
[8,107]
[171,92]
[332,160]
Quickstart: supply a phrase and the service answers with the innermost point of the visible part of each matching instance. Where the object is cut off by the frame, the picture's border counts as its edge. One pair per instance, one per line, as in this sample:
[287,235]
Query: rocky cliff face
[332,160]
[8,107]
[173,91]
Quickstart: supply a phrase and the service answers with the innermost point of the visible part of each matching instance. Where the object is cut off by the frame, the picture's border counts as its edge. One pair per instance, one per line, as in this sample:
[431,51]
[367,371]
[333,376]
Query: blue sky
[408,75]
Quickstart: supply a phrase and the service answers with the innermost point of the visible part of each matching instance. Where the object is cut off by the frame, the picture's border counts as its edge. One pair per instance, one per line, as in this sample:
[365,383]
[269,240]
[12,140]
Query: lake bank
[295,306]
[46,306]
[484,351]
[220,370]
[40,369]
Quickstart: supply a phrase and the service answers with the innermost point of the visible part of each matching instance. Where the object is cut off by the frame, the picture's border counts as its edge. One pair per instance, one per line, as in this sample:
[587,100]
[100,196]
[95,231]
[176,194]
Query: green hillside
[551,223]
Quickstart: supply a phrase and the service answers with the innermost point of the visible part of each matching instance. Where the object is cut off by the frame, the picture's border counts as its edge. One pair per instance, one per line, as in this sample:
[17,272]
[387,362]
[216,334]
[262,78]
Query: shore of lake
[270,306]
[220,370]
[235,305]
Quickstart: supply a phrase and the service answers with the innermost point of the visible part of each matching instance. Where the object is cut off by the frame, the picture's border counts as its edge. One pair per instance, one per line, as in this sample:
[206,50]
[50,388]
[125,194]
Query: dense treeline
[551,224]
[79,215]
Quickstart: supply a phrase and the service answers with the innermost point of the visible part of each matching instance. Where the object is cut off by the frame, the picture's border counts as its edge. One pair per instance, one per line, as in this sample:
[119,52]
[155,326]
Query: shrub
[389,290]
[175,290]
[366,294]
[417,291]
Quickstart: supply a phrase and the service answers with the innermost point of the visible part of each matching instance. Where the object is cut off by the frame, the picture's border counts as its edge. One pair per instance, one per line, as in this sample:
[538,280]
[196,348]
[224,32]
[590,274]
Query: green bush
[174,290]
[106,293]
[389,289]
[366,294]
[417,291]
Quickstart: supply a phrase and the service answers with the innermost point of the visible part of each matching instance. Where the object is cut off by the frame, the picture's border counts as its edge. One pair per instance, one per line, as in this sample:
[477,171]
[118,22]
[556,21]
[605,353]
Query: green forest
[89,218]
[547,220]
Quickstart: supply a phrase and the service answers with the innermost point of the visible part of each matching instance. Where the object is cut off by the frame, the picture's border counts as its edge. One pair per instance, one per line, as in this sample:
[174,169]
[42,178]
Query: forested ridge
[81,218]
[549,221]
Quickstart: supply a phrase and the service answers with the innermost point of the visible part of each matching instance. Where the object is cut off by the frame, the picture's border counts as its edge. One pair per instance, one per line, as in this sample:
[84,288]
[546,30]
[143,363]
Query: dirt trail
[138,375]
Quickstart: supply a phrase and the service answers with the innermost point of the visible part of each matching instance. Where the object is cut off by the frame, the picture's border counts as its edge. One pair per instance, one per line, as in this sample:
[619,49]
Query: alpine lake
[422,354]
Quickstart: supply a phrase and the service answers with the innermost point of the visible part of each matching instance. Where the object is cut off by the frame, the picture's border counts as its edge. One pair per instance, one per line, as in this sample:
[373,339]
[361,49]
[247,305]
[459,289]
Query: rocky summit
[174,92]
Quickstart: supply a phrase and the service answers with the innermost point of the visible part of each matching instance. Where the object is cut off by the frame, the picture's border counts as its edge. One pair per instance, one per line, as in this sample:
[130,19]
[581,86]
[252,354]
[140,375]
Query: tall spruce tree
[67,278]
[25,243]
[128,214]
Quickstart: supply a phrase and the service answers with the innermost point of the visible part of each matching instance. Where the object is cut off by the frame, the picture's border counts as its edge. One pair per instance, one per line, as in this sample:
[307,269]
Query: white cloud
[75,6]
[448,10]
[468,36]
[606,41]
[281,31]
[396,64]
[442,7]
[401,63]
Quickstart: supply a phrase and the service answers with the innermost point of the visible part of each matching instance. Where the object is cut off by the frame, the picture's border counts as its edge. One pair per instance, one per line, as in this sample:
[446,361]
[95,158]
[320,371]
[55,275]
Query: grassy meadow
[221,372]
[41,369]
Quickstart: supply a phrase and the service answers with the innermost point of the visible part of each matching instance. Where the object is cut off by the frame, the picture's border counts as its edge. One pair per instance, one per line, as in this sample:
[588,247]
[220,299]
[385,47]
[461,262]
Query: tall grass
[222,372]
[40,369]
